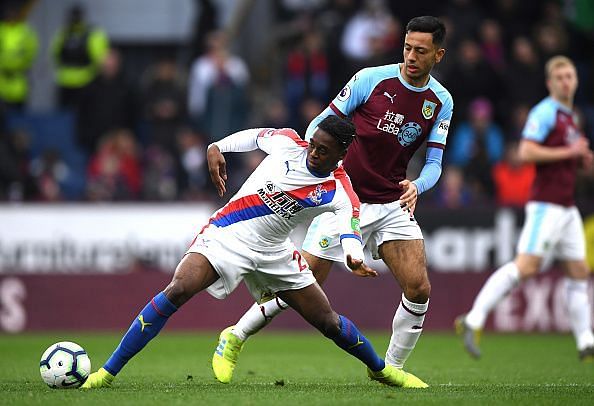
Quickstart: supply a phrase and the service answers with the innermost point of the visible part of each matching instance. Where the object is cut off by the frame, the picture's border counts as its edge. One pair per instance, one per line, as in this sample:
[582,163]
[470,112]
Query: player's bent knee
[177,292]
[181,288]
[419,292]
[528,265]
[329,325]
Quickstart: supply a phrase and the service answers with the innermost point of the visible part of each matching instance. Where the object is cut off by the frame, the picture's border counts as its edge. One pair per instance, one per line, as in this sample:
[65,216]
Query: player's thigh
[550,232]
[571,249]
[276,272]
[193,274]
[406,260]
[229,258]
[542,230]
[320,267]
[387,222]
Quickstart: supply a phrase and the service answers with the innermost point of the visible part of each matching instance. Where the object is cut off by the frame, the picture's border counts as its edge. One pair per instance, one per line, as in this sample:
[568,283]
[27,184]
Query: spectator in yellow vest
[18,48]
[78,50]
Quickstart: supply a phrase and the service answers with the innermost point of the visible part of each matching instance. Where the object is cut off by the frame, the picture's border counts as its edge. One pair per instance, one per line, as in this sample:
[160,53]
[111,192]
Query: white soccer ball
[64,365]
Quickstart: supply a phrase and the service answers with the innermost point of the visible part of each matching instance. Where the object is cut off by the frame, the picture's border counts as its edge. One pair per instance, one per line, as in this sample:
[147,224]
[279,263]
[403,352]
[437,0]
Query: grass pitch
[307,369]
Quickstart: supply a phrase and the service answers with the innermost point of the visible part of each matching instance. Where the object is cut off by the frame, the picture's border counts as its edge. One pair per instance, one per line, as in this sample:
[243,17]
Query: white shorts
[264,273]
[379,223]
[552,232]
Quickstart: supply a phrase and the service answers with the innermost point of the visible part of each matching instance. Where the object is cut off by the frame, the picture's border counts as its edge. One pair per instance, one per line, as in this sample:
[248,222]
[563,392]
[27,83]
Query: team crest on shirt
[572,134]
[428,109]
[409,133]
[315,196]
[344,94]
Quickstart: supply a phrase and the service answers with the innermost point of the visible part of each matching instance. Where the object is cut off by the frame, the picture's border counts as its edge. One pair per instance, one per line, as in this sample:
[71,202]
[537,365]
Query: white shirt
[282,193]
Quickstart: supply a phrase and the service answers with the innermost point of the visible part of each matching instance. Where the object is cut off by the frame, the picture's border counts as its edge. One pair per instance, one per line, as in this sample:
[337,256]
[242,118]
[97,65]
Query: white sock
[257,317]
[499,284]
[407,327]
[580,314]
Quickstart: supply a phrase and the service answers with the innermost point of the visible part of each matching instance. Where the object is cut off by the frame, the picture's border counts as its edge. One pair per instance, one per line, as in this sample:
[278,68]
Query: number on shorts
[297,256]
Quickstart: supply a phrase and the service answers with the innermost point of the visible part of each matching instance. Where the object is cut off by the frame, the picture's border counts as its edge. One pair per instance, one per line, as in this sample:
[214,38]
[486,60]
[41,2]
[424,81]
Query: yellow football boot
[99,379]
[225,356]
[393,376]
[470,337]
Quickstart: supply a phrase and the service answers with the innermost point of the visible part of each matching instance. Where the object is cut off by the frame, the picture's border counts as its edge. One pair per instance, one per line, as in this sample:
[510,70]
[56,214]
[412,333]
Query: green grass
[306,369]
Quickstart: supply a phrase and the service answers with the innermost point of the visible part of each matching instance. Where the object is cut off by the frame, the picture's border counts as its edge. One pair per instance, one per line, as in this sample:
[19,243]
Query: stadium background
[102,216]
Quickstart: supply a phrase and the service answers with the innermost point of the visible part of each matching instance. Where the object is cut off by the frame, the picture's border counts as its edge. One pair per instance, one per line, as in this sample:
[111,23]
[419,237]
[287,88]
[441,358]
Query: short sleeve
[540,122]
[354,93]
[441,127]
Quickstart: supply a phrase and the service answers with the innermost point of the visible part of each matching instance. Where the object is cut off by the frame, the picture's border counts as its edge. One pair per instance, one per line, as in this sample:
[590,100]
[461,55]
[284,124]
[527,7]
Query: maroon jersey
[552,125]
[393,119]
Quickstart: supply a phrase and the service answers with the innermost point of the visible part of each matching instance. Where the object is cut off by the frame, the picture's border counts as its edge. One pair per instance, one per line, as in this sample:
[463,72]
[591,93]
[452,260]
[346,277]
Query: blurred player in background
[396,109]
[248,239]
[553,227]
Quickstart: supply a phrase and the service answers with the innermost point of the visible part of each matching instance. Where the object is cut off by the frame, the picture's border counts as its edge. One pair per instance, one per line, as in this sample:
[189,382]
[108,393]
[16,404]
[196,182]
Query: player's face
[562,82]
[420,55]
[323,152]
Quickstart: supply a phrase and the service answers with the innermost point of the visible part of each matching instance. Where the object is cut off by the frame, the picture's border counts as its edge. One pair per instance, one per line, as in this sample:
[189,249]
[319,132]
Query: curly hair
[341,129]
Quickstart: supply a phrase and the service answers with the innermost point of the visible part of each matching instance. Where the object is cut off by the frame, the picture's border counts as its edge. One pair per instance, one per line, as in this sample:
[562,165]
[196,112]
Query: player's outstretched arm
[217,168]
[533,152]
[311,128]
[241,141]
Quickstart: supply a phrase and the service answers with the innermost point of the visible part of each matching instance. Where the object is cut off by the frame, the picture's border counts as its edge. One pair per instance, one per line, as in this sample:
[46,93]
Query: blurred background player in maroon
[553,227]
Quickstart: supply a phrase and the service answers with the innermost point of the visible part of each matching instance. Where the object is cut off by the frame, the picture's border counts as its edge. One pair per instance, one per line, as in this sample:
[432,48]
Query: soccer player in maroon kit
[395,108]
[553,227]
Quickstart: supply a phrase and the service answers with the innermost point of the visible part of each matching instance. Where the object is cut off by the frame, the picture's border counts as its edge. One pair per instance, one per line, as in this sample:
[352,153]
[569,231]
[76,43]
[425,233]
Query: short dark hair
[341,129]
[429,24]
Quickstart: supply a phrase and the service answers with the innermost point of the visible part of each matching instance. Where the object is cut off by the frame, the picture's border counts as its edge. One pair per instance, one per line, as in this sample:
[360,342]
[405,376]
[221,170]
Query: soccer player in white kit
[553,227]
[248,240]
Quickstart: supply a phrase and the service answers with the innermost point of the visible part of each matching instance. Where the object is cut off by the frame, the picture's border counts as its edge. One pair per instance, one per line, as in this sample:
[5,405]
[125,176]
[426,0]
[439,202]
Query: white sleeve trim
[352,247]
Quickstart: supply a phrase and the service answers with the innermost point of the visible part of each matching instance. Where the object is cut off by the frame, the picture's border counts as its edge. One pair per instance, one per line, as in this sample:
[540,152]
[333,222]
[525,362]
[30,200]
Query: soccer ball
[64,365]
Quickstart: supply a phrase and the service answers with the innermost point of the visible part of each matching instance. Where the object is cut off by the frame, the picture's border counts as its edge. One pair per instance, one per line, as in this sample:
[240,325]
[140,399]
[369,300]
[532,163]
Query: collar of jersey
[408,85]
[561,106]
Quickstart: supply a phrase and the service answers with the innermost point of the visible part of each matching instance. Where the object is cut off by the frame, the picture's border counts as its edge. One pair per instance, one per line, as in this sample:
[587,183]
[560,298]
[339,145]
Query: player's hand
[359,268]
[580,148]
[408,200]
[217,168]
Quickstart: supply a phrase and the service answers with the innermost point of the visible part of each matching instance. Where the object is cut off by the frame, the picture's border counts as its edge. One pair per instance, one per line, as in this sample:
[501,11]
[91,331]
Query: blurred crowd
[142,135]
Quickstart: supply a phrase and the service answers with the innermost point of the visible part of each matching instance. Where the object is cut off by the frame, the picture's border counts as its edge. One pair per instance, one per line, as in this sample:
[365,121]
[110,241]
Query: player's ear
[439,55]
